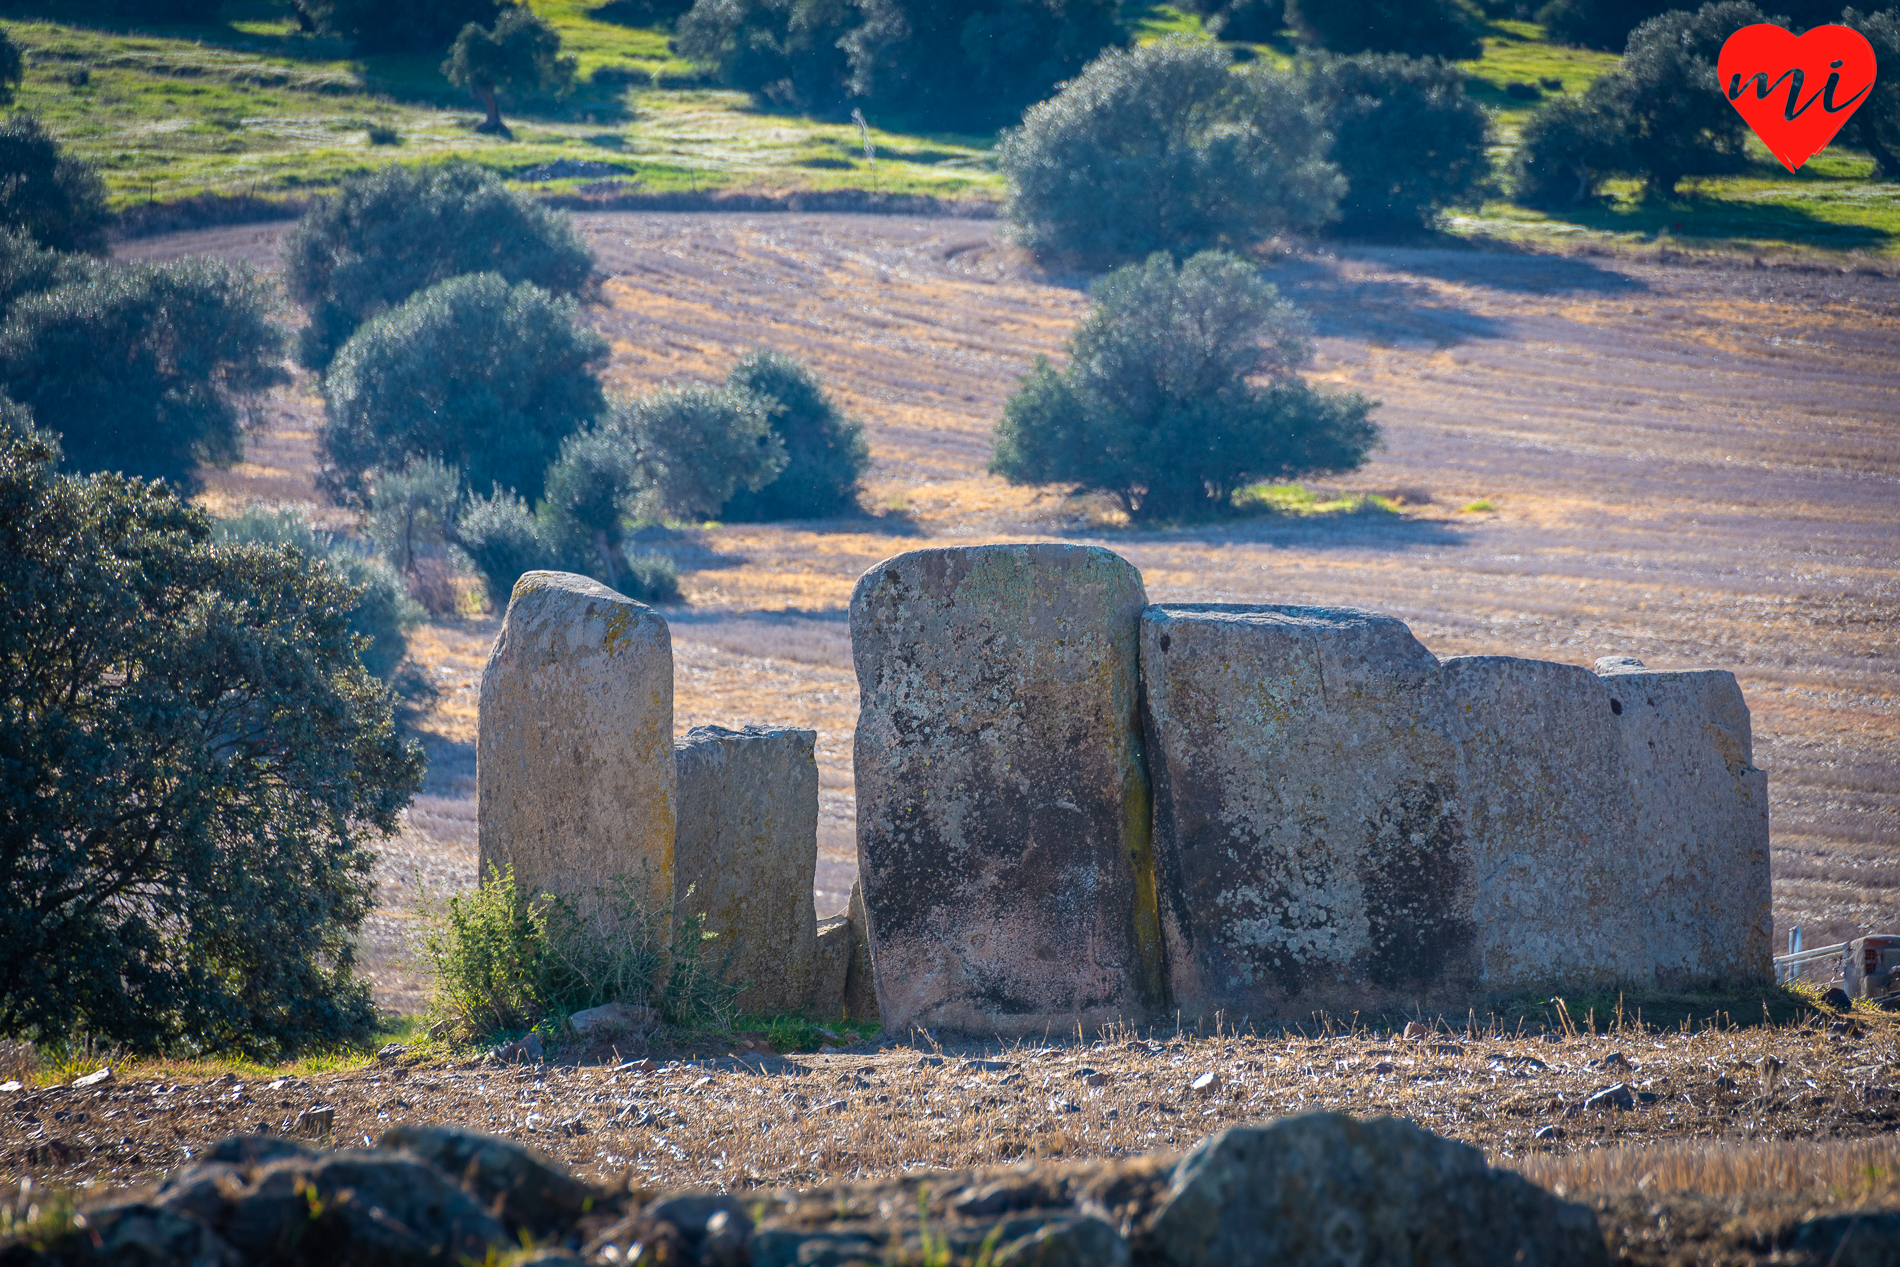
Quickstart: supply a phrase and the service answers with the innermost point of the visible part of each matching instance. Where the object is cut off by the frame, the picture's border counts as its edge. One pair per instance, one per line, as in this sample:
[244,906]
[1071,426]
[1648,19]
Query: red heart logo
[1796,92]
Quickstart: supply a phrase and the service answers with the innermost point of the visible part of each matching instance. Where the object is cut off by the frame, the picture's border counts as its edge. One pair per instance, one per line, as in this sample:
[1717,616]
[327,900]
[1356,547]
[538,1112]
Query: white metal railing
[1788,966]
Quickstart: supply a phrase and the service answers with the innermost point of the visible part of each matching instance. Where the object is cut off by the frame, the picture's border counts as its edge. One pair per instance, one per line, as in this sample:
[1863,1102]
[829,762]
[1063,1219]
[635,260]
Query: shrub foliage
[474,372]
[1877,123]
[694,447]
[1181,387]
[1421,28]
[1407,139]
[382,612]
[405,26]
[194,762]
[145,369]
[971,64]
[825,452]
[1166,148]
[386,236]
[53,196]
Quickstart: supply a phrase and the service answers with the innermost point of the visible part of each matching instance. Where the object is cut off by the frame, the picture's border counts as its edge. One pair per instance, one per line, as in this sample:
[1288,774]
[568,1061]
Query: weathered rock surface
[860,980]
[1003,812]
[830,967]
[1322,1188]
[1306,829]
[1342,822]
[574,759]
[747,850]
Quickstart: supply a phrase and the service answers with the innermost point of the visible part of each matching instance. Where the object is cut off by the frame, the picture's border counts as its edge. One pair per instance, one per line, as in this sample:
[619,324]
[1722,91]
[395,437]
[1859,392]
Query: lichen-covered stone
[574,756]
[1701,811]
[1003,812]
[1344,823]
[1324,1189]
[1306,827]
[746,853]
[831,967]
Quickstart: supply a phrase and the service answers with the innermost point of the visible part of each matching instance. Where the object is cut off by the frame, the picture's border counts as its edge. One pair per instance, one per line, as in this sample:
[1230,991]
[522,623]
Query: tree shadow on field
[1347,531]
[1382,311]
[1525,272]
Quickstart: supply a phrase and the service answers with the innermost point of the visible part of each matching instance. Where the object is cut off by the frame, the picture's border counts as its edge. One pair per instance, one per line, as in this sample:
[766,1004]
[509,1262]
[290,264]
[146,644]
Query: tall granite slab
[1700,809]
[1306,819]
[746,853]
[574,753]
[1003,811]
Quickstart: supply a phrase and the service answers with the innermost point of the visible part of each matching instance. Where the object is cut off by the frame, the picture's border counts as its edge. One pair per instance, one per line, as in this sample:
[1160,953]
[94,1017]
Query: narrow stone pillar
[1003,812]
[746,855]
[574,755]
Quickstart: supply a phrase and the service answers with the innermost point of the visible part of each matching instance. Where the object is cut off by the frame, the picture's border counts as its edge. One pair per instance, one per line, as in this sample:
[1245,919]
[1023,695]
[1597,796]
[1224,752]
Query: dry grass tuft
[1822,1170]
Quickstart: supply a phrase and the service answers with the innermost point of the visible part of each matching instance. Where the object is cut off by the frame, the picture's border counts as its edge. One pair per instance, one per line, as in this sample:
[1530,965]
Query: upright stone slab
[1700,812]
[1003,810]
[746,854]
[1306,828]
[574,756]
[1547,815]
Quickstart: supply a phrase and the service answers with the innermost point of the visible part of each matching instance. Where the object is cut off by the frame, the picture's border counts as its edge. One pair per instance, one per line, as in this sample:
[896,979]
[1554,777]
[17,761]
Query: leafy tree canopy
[193,762]
[1255,21]
[48,193]
[1421,28]
[1877,123]
[385,236]
[825,453]
[1182,386]
[693,447]
[521,54]
[1167,148]
[1407,139]
[485,376]
[972,64]
[143,368]
[12,69]
[398,26]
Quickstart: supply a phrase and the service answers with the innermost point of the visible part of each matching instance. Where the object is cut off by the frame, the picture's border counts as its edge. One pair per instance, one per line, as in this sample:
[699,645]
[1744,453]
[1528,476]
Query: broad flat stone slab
[746,854]
[574,754]
[1306,820]
[1003,812]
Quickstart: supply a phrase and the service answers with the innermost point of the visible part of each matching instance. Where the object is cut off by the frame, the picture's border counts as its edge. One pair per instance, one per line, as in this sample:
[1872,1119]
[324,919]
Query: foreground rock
[1002,801]
[574,759]
[1316,1190]
[1344,823]
[746,854]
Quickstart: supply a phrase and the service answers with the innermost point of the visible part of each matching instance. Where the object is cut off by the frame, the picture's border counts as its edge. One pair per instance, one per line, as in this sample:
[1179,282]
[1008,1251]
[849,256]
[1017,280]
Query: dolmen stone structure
[580,783]
[1340,820]
[1002,799]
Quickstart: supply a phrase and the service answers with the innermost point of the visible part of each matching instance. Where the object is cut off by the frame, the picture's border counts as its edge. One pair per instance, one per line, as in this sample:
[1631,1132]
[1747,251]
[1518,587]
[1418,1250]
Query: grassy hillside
[252,105]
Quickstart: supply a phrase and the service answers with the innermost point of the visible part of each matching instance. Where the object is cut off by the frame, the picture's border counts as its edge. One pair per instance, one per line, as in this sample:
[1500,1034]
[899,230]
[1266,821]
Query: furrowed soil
[1694,463]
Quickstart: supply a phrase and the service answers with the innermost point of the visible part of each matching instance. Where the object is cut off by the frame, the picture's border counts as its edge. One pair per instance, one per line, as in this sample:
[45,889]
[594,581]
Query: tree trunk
[1886,160]
[606,558]
[492,103]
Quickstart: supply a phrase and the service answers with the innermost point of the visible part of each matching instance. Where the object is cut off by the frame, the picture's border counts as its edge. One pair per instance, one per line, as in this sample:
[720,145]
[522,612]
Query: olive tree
[400,230]
[47,192]
[193,765]
[695,446]
[825,453]
[1877,123]
[1675,120]
[1421,28]
[405,26]
[1182,387]
[145,368]
[1165,147]
[485,376]
[521,53]
[1407,139]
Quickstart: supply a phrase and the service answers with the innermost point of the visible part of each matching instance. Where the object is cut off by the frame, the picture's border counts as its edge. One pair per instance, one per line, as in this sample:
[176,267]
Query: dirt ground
[1695,464]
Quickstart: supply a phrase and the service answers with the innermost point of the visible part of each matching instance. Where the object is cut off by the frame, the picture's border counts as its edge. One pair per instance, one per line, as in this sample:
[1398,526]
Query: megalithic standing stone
[1003,811]
[574,757]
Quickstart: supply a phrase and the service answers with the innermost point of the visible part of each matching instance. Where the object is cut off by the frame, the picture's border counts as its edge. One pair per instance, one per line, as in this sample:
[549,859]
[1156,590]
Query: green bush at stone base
[196,766]
[504,959]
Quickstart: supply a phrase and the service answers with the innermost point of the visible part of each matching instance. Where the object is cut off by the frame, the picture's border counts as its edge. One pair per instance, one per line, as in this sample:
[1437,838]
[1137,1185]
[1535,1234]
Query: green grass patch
[791,1033]
[1647,1010]
[1296,500]
[1480,507]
